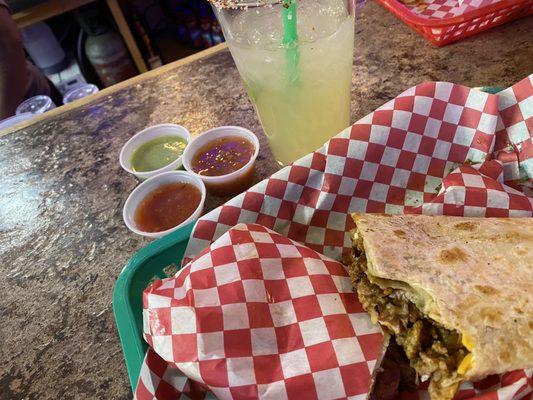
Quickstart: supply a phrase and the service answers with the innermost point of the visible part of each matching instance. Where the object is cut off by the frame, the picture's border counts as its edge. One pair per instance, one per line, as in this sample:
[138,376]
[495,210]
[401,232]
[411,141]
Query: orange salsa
[167,206]
[222,156]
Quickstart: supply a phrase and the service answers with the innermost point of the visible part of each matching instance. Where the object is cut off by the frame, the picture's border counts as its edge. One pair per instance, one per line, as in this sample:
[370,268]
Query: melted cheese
[466,364]
[468,361]
[467,342]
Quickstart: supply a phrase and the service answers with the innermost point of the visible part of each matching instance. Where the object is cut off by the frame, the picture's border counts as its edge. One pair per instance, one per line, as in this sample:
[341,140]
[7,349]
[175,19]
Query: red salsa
[167,206]
[222,156]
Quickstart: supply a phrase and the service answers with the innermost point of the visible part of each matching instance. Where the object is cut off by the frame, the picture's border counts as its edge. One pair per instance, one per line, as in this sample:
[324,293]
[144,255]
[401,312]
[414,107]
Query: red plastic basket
[447,30]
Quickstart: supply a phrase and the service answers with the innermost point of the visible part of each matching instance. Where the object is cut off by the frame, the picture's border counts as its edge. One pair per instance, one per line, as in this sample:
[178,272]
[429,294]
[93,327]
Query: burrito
[455,293]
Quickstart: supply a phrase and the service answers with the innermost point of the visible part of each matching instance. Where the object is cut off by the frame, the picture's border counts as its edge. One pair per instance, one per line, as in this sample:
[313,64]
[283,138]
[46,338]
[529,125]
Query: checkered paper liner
[257,315]
[438,148]
[443,9]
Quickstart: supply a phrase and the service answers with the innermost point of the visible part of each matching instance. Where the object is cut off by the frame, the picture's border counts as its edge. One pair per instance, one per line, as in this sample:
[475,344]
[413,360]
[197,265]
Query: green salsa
[157,153]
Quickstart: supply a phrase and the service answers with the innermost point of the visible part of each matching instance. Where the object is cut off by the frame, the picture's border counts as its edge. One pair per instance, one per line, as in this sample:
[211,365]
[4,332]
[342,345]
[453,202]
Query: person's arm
[13,75]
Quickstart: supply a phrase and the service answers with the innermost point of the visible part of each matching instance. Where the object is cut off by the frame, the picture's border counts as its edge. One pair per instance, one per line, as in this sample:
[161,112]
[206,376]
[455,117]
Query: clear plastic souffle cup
[295,59]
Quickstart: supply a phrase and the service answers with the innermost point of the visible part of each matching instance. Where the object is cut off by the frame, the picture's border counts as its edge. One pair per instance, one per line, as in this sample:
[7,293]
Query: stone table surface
[62,239]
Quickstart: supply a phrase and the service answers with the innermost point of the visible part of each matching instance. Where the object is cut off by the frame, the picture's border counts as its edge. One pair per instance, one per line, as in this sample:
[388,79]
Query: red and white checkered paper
[257,315]
[411,155]
[438,148]
[442,9]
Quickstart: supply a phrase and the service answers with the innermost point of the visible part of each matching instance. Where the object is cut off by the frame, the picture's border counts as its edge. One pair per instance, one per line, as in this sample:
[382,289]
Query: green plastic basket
[138,273]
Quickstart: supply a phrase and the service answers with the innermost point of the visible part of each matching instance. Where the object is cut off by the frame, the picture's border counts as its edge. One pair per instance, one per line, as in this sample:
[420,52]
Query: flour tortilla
[471,275]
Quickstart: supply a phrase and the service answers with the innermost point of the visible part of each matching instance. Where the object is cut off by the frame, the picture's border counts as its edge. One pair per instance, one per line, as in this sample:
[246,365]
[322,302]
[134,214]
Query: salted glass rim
[228,4]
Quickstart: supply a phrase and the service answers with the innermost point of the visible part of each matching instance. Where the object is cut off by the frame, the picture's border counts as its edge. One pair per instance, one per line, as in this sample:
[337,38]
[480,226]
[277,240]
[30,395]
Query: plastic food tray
[447,30]
[147,264]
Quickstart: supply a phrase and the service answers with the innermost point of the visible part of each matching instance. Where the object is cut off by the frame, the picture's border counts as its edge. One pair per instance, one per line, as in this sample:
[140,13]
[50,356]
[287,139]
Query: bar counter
[62,239]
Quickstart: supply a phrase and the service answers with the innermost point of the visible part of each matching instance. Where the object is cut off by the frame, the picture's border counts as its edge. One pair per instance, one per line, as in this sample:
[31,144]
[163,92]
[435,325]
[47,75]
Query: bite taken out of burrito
[455,293]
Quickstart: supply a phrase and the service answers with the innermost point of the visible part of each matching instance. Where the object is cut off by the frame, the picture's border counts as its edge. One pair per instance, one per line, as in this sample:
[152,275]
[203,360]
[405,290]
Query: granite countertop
[62,239]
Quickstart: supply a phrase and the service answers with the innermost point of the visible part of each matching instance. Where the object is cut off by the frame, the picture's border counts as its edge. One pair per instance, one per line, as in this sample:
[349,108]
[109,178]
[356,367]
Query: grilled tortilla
[455,292]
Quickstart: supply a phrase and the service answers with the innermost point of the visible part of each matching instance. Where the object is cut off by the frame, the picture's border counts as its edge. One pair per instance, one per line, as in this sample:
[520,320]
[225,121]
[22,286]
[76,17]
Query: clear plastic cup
[79,92]
[301,89]
[15,119]
[36,105]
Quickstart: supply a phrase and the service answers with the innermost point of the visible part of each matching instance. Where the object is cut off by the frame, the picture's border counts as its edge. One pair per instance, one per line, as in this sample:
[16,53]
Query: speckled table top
[62,239]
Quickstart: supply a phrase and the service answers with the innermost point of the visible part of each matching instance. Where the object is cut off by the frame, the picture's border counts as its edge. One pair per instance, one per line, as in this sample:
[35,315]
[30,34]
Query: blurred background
[103,42]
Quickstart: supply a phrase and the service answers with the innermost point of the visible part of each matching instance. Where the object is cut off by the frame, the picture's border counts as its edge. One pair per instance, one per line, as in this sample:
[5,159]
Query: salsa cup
[140,192]
[228,184]
[146,135]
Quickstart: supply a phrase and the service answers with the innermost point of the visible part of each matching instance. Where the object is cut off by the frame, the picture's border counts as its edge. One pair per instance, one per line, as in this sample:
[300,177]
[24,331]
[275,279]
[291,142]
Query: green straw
[290,37]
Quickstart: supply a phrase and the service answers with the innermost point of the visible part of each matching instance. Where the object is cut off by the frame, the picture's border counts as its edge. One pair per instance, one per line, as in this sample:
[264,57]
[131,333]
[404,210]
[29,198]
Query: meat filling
[433,351]
[393,375]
